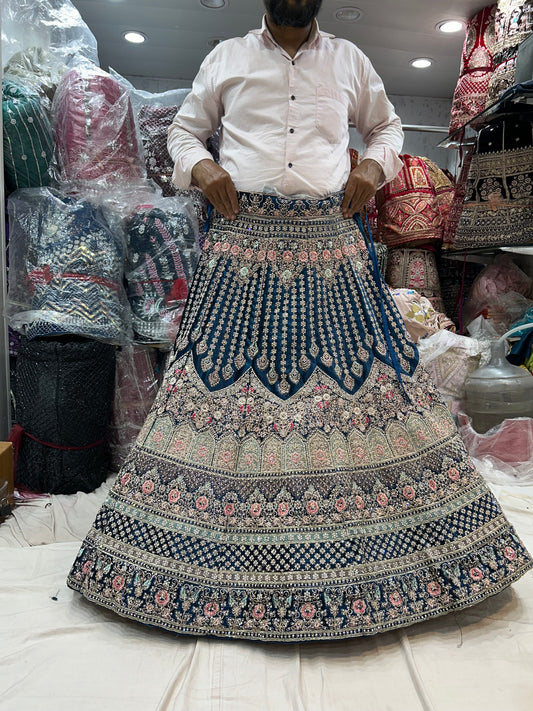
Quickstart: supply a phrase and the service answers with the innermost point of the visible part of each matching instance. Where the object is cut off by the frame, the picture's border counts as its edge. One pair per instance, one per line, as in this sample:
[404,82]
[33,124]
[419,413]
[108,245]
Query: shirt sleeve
[197,120]
[379,126]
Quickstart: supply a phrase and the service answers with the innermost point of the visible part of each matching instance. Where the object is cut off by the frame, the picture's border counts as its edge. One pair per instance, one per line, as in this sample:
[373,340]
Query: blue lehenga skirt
[298,477]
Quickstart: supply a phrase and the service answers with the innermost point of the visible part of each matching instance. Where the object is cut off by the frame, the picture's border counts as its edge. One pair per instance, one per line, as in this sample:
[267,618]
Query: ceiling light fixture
[135,37]
[421,62]
[214,4]
[348,14]
[449,26]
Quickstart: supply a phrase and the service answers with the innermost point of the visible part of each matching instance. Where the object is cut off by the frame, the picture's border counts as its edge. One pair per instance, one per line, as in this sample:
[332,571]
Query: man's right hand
[217,185]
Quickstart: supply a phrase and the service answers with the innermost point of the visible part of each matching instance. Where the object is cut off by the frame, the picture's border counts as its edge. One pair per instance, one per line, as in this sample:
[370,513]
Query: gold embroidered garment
[287,485]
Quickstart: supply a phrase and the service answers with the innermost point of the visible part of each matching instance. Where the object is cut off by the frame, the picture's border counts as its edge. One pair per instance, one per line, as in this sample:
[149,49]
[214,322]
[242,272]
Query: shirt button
[291,130]
[293,97]
[293,62]
[290,165]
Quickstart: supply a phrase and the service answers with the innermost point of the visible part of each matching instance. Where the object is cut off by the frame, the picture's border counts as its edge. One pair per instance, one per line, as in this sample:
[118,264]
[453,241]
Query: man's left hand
[362,184]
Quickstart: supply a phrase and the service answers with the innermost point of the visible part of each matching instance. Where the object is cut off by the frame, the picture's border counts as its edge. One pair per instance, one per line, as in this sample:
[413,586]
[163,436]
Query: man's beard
[298,15]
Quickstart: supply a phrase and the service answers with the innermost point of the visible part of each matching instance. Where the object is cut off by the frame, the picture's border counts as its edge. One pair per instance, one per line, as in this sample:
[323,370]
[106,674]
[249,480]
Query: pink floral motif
[255,509]
[509,553]
[207,244]
[87,566]
[235,249]
[261,256]
[382,499]
[432,484]
[162,598]
[341,453]
[283,508]
[359,502]
[359,607]
[118,583]
[313,256]
[227,456]
[340,504]
[271,255]
[249,460]
[173,496]
[326,254]
[211,609]
[229,509]
[287,256]
[409,492]
[226,246]
[303,256]
[434,589]
[379,450]
[271,458]
[202,451]
[395,598]
[148,486]
[476,574]
[360,453]
[216,247]
[421,435]
[258,612]
[295,457]
[338,254]
[353,249]
[312,507]
[308,611]
[158,436]
[248,253]
[179,445]
[453,473]
[320,455]
[202,502]
[125,478]
[401,443]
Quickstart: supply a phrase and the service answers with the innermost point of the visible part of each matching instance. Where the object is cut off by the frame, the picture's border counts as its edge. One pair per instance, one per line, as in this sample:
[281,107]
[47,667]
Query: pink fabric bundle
[418,314]
[476,68]
[95,129]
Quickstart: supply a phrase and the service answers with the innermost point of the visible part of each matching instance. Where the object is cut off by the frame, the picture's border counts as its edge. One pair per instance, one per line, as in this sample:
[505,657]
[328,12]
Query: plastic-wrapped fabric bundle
[96,138]
[415,269]
[419,316]
[514,23]
[28,139]
[498,203]
[476,69]
[163,252]
[408,210]
[136,386]
[154,122]
[66,268]
[64,396]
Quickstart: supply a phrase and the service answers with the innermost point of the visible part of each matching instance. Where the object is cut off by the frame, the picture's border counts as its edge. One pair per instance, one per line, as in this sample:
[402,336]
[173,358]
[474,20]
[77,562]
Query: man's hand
[362,184]
[217,186]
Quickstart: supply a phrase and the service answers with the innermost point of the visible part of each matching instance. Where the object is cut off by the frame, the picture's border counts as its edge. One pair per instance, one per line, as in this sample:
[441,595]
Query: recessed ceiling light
[348,14]
[214,4]
[421,62]
[135,37]
[449,26]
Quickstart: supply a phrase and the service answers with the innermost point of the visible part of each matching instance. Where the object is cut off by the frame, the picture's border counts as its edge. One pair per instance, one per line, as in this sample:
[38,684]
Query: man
[285,96]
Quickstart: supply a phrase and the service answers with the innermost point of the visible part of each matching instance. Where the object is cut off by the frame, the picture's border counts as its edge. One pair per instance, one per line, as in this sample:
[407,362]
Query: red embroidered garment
[476,68]
[408,209]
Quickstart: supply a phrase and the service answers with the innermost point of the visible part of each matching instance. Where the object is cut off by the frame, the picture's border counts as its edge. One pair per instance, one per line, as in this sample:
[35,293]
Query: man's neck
[289,38]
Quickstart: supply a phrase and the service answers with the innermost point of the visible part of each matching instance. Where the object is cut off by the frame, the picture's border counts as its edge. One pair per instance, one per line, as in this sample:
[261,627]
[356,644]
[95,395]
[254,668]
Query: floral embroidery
[211,609]
[162,598]
[308,611]
[359,607]
[148,486]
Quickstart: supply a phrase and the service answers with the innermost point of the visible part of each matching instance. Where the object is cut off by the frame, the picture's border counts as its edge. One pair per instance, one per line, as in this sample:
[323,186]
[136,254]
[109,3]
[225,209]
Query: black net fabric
[64,396]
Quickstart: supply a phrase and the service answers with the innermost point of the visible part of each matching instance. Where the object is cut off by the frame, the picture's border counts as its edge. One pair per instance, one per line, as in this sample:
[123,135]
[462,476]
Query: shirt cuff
[387,158]
[181,176]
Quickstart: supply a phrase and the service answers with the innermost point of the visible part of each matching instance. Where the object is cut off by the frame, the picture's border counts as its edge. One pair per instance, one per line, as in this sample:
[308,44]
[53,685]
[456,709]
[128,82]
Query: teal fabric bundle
[28,142]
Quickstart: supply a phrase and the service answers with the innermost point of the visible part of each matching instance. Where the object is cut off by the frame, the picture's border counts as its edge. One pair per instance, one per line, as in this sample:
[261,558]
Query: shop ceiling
[179,34]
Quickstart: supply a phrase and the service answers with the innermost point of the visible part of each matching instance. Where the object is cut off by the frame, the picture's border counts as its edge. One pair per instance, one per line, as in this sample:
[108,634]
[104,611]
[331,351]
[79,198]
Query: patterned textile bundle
[298,477]
[154,122]
[28,141]
[498,203]
[66,268]
[415,269]
[163,252]
[64,395]
[470,94]
[418,314]
[514,23]
[444,191]
[95,131]
[408,211]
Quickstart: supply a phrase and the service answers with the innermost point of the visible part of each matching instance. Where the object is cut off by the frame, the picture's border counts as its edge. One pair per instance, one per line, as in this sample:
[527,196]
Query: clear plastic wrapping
[136,385]
[53,25]
[162,254]
[96,136]
[418,314]
[66,268]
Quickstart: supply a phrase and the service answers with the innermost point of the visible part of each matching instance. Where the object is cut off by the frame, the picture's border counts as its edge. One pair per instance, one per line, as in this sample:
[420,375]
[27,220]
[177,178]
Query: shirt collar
[314,38]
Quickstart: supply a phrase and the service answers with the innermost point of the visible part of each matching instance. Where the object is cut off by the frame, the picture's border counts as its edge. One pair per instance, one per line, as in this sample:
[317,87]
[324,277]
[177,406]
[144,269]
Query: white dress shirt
[284,121]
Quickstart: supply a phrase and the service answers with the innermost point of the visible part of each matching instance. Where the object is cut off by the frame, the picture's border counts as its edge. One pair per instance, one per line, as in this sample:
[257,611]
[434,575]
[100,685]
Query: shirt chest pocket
[331,114]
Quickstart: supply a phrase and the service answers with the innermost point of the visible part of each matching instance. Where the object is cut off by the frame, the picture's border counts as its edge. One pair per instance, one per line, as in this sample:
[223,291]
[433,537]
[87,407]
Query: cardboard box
[6,473]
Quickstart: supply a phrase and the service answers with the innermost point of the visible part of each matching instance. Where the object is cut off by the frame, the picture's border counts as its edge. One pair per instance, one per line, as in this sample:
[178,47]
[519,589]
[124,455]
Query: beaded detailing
[325,512]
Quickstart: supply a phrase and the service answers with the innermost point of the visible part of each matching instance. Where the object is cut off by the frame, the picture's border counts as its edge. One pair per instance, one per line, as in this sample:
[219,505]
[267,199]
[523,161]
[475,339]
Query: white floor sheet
[61,653]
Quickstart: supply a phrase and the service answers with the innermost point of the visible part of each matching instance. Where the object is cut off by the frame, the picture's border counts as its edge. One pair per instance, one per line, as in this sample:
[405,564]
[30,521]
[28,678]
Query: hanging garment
[415,269]
[498,203]
[408,210]
[514,23]
[94,127]
[298,477]
[64,396]
[66,267]
[28,141]
[154,122]
[163,253]
[470,95]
